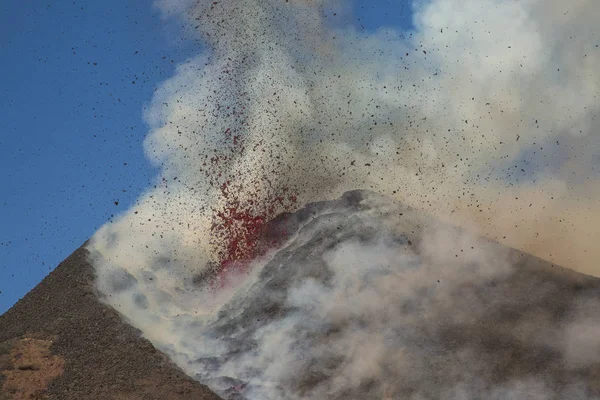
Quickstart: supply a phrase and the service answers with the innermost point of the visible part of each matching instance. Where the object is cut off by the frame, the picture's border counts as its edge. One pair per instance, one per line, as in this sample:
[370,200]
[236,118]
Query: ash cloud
[485,115]
[485,100]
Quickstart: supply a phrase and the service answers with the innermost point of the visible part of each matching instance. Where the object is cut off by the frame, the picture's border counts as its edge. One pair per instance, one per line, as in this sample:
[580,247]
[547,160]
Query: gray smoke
[485,116]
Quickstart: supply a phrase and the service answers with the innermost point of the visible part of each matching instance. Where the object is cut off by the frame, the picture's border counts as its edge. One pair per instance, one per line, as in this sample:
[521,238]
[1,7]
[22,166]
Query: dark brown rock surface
[59,342]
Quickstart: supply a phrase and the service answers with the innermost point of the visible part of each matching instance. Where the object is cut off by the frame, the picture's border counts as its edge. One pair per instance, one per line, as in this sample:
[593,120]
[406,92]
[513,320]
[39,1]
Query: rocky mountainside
[364,300]
[60,343]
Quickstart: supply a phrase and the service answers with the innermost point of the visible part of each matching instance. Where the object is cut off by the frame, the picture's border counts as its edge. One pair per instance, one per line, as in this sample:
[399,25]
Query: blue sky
[76,76]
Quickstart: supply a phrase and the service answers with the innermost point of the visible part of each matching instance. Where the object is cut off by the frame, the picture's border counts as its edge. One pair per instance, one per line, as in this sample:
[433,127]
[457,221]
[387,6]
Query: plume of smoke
[485,114]
[485,99]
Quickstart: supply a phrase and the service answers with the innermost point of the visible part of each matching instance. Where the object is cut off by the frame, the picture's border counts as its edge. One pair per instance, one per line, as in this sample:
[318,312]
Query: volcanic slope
[59,342]
[371,300]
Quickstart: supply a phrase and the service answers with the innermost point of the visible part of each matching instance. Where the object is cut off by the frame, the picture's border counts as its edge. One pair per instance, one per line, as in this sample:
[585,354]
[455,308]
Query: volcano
[366,299]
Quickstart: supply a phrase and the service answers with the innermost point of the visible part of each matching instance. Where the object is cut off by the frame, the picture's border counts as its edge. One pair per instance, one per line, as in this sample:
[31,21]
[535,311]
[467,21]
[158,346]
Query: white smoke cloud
[485,96]
[485,115]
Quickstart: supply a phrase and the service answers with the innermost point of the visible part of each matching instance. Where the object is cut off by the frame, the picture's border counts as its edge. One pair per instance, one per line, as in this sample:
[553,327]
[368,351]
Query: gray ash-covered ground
[370,300]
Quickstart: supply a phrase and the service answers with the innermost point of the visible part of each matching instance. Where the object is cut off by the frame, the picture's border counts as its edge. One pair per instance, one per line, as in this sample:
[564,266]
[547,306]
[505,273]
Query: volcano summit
[367,299]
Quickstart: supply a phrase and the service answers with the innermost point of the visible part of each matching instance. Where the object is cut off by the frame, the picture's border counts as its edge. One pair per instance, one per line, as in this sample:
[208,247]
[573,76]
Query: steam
[485,116]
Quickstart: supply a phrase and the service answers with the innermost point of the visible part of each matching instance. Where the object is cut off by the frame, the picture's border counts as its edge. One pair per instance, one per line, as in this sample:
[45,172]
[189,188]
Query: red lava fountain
[240,222]
[240,230]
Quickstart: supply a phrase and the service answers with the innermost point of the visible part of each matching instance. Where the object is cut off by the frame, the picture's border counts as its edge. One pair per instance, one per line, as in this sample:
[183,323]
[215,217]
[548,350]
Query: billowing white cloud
[485,114]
